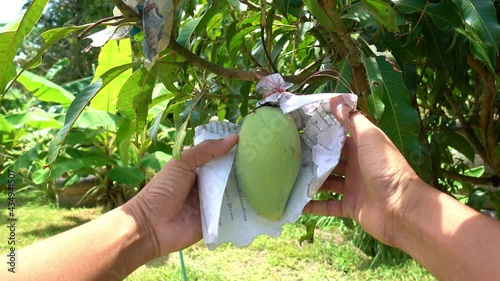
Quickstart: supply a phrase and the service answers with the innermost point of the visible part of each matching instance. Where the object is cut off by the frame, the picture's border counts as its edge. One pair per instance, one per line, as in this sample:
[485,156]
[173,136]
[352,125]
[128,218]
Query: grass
[331,257]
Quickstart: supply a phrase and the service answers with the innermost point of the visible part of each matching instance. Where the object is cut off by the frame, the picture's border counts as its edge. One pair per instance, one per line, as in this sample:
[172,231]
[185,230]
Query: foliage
[426,74]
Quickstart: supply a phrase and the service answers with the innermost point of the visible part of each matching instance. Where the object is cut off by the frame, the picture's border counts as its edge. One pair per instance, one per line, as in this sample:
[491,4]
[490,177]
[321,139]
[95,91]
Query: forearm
[107,248]
[448,238]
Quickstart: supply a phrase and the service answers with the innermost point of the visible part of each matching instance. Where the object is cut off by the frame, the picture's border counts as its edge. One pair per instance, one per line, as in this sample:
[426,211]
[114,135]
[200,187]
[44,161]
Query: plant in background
[426,74]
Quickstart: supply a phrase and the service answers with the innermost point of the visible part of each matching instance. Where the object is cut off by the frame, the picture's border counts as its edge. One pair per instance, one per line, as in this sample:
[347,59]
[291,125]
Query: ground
[330,257]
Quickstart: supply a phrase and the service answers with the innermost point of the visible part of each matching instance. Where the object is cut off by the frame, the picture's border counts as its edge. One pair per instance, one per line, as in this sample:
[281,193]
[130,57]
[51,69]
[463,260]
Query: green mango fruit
[268,158]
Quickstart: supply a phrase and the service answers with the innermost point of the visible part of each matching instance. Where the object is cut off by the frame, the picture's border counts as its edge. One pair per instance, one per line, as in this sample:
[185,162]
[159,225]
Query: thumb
[353,122]
[201,153]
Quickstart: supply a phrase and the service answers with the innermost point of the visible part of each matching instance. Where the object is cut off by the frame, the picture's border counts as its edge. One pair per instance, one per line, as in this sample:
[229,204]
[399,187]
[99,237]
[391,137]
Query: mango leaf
[321,16]
[445,15]
[135,96]
[179,139]
[480,16]
[207,16]
[77,107]
[383,12]
[167,73]
[130,175]
[44,89]
[345,73]
[155,160]
[12,40]
[459,143]
[437,43]
[113,54]
[477,198]
[282,6]
[50,37]
[400,121]
[184,38]
[123,140]
[480,49]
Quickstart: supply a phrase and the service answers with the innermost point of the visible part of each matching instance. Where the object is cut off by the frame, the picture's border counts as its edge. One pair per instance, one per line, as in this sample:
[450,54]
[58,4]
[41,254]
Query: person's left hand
[168,208]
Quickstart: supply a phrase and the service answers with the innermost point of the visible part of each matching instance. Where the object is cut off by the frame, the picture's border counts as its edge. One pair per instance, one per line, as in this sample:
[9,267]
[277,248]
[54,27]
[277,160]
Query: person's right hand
[372,176]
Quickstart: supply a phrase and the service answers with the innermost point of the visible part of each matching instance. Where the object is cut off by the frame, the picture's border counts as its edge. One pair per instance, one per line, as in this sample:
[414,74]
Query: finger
[345,147]
[324,208]
[201,153]
[340,168]
[354,122]
[334,184]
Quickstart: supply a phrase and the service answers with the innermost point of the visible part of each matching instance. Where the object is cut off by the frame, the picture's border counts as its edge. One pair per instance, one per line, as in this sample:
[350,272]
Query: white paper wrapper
[225,213]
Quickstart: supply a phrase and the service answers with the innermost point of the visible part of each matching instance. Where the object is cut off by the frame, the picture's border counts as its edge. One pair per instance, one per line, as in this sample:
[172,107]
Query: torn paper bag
[226,215]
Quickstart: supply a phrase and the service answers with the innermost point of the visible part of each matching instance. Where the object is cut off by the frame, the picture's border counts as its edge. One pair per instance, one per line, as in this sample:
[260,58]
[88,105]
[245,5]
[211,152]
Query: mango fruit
[268,159]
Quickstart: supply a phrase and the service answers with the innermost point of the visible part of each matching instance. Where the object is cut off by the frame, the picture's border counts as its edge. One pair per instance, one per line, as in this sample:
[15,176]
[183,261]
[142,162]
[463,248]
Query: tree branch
[467,129]
[468,179]
[129,14]
[236,74]
[486,111]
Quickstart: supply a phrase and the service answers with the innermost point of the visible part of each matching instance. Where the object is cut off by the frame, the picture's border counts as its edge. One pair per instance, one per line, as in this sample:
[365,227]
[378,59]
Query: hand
[168,207]
[372,177]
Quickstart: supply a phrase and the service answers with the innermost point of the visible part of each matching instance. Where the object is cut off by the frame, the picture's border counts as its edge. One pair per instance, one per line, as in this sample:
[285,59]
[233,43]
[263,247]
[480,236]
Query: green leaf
[480,16]
[156,160]
[458,142]
[98,119]
[445,15]
[282,6]
[40,176]
[207,16]
[135,97]
[400,121]
[123,140]
[5,125]
[44,89]
[321,16]
[477,198]
[168,74]
[238,40]
[383,12]
[480,49]
[51,37]
[113,54]
[130,175]
[36,119]
[437,43]
[184,38]
[12,40]
[77,107]
[179,139]
[56,68]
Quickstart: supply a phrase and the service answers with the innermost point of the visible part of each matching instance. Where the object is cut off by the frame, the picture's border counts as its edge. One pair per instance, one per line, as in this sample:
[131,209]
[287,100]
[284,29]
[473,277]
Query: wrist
[412,200]
[142,229]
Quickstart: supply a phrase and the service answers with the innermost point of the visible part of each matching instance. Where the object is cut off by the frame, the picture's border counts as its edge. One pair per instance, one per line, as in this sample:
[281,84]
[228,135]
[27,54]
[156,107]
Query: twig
[418,21]
[95,24]
[129,14]
[236,74]
[468,179]
[467,129]
[486,118]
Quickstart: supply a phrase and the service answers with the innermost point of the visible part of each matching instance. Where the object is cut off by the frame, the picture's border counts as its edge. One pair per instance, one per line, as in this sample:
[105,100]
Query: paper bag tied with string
[225,213]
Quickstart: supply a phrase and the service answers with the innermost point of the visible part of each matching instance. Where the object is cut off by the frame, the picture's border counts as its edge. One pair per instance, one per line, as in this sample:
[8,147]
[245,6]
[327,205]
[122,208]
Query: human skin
[164,217]
[384,195]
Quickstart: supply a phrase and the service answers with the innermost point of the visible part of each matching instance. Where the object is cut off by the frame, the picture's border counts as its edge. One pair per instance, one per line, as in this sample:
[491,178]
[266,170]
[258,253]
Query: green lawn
[330,257]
